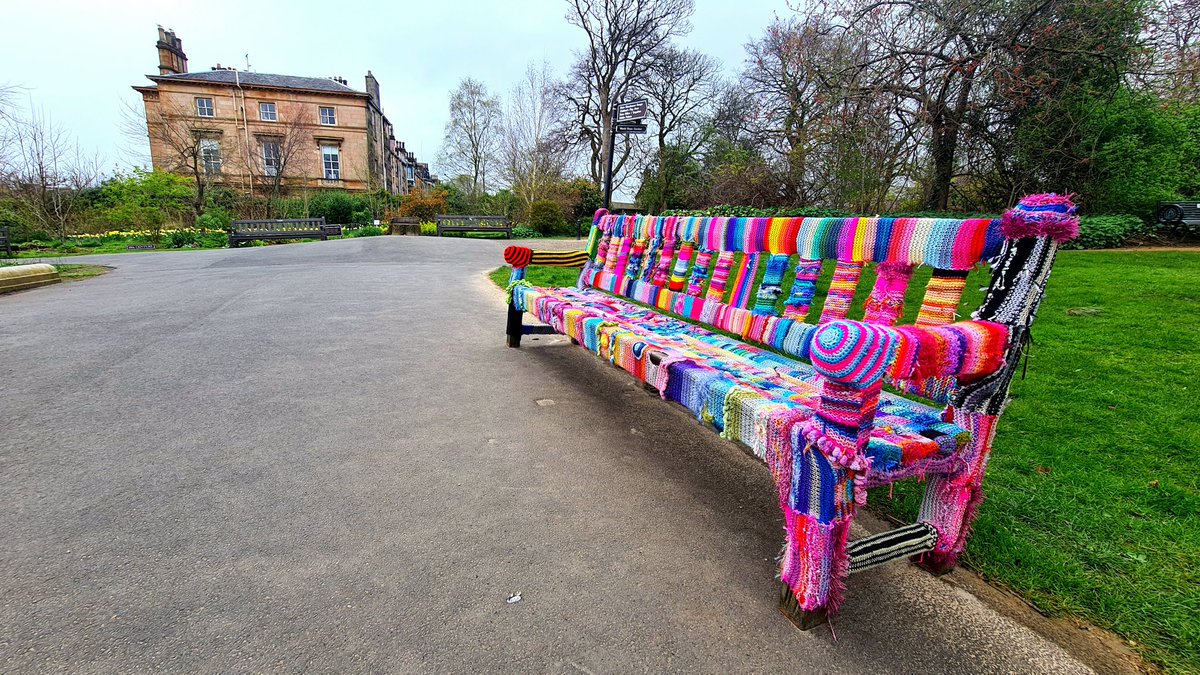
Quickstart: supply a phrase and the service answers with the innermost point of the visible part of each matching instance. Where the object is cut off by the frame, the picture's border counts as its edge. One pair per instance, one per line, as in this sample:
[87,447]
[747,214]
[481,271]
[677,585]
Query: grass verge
[1093,501]
[80,272]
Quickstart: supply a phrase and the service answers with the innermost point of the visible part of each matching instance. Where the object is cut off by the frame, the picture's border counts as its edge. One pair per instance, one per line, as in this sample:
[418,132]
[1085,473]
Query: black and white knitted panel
[884,547]
[1019,278]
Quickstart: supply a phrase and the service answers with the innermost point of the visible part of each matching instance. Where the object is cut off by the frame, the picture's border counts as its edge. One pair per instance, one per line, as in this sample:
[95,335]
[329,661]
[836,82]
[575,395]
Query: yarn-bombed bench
[705,310]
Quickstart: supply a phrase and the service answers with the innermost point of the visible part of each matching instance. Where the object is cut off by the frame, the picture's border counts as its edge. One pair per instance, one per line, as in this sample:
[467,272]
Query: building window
[266,112]
[204,107]
[328,116]
[210,154]
[331,159]
[271,158]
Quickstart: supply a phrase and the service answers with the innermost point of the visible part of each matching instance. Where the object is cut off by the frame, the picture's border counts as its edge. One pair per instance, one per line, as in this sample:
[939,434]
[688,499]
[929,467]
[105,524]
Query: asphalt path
[321,457]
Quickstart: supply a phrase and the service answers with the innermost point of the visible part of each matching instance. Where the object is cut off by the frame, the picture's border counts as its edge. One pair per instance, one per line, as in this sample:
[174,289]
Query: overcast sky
[78,59]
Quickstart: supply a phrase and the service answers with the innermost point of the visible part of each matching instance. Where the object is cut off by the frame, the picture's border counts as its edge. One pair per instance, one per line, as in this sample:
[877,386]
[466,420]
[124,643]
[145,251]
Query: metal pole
[612,150]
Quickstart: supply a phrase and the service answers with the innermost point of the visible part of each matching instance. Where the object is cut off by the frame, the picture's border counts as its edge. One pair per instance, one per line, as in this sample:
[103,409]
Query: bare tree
[621,34]
[472,134]
[285,153]
[1171,66]
[533,159]
[180,142]
[679,88]
[48,172]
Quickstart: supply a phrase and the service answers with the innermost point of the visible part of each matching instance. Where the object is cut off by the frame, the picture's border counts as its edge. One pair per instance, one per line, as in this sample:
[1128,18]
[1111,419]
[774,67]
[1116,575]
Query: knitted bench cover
[737,387]
[718,314]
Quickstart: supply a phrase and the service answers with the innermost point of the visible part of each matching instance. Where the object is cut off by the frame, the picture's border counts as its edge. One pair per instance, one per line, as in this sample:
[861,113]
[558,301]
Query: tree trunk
[942,148]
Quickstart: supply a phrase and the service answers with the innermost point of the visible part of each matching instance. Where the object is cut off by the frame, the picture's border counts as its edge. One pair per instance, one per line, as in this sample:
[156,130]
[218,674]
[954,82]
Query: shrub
[362,217]
[215,218]
[365,231]
[424,204]
[1107,231]
[428,229]
[334,207]
[181,238]
[518,232]
[546,217]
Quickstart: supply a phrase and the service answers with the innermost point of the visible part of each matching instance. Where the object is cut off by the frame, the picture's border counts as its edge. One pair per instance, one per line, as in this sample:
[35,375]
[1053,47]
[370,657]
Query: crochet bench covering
[704,309]
[701,368]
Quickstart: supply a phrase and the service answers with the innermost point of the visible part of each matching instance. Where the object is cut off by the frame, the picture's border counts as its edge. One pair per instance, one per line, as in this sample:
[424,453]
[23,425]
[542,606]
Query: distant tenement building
[262,133]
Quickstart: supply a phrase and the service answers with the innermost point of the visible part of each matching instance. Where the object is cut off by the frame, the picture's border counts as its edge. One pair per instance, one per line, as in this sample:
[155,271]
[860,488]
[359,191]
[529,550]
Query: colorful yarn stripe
[636,253]
[720,276]
[942,296]
[840,295]
[650,259]
[679,273]
[885,305]
[614,249]
[803,289]
[699,272]
[772,284]
[743,279]
[662,270]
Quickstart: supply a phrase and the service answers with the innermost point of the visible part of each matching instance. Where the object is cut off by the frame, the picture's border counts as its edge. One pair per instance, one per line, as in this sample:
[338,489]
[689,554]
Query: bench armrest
[967,350]
[859,354]
[520,257]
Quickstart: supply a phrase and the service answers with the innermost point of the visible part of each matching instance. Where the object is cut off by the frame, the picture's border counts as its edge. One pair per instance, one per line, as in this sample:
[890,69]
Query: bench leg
[951,501]
[813,569]
[515,326]
[801,618]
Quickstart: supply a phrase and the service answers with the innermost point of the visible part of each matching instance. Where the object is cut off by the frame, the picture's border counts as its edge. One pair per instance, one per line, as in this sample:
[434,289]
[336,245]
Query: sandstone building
[270,134]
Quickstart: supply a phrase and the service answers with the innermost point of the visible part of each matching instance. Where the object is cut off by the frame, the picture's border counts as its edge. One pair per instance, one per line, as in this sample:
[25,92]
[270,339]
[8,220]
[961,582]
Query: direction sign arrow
[632,110]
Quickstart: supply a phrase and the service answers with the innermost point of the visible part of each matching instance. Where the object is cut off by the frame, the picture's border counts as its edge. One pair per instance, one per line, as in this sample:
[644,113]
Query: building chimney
[171,59]
[373,90]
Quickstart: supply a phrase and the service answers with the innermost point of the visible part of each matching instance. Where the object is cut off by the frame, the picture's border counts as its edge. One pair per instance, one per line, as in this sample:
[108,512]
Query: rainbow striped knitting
[716,314]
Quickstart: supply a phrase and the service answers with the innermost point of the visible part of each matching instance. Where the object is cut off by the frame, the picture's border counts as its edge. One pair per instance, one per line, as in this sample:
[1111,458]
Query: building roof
[252,79]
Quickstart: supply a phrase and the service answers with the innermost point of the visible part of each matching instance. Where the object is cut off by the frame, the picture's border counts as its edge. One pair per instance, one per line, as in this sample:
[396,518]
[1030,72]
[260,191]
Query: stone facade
[258,132]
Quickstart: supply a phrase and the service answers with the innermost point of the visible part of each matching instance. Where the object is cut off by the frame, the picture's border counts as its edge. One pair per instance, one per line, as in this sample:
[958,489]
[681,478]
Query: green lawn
[1093,501]
[80,272]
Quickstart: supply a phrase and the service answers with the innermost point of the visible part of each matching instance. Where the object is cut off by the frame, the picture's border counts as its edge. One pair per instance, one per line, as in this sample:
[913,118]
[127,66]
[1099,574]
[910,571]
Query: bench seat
[907,435]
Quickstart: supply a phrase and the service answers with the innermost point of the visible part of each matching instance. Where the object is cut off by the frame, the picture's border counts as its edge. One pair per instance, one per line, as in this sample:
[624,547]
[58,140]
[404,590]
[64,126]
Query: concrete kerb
[21,277]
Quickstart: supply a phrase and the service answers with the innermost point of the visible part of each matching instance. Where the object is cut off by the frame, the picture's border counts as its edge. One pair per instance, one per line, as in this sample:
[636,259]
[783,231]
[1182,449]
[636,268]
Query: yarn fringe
[1042,215]
[840,566]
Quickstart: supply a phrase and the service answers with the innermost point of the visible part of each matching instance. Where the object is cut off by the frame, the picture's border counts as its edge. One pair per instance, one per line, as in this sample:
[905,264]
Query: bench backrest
[279,225]
[761,278]
[473,221]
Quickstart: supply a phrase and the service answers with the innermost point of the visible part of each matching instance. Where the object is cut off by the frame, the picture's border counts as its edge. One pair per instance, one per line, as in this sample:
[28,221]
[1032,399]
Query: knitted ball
[852,352]
[518,256]
[1042,215]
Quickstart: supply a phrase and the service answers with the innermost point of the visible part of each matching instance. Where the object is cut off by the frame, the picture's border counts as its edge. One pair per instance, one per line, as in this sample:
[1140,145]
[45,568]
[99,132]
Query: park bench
[719,315]
[473,224]
[5,242]
[285,228]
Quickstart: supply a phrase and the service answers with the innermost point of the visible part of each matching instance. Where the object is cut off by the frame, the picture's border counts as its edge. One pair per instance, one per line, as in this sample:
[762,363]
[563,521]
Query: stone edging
[21,277]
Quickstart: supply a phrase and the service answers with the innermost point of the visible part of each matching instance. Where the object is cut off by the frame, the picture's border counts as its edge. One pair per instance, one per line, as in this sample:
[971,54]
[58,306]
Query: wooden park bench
[6,242]
[473,224]
[276,230]
[718,315]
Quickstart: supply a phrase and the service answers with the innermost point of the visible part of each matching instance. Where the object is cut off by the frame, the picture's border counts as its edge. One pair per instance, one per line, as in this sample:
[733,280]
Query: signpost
[632,111]
[627,119]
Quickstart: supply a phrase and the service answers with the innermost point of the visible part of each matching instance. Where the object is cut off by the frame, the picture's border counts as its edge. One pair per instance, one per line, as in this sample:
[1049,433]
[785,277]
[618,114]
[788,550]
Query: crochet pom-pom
[1042,215]
[518,256]
[852,352]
